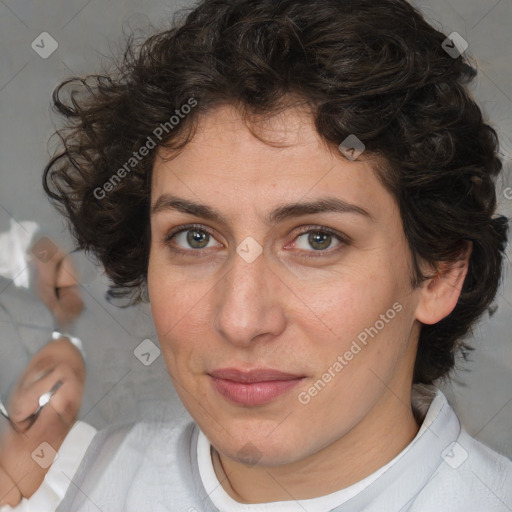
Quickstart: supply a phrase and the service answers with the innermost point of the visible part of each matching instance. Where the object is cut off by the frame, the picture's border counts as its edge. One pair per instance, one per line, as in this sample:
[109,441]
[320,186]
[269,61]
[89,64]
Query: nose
[249,302]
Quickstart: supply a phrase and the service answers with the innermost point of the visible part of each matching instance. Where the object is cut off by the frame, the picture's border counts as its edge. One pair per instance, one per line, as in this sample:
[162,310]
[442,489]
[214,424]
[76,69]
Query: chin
[262,450]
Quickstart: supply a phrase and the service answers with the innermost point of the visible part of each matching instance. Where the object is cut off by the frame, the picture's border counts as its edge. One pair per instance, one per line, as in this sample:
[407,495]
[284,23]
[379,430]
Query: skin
[20,475]
[285,310]
[59,360]
[57,287]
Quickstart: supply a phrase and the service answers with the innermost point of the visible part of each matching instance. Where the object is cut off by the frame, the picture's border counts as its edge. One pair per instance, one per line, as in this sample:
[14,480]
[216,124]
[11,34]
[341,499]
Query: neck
[385,431]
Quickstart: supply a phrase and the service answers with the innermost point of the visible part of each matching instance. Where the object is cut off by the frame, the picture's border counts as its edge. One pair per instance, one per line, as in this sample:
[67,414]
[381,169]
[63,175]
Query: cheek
[174,306]
[174,291]
[360,326]
[353,301]
[179,307]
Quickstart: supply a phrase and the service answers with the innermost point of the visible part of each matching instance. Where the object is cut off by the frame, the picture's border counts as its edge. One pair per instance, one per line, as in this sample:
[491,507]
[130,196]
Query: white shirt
[167,466]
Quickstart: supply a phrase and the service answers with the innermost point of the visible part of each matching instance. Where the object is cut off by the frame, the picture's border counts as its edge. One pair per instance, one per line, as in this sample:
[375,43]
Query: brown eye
[191,239]
[197,239]
[318,240]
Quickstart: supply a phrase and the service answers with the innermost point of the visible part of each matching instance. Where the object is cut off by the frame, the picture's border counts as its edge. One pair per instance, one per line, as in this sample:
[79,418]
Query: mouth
[252,387]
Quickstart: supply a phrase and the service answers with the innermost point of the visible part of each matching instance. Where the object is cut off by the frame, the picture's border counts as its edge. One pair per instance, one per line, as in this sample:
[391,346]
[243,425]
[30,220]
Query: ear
[440,293]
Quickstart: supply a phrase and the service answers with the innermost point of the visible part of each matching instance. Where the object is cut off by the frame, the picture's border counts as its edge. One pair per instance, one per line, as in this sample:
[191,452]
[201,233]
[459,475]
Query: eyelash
[343,239]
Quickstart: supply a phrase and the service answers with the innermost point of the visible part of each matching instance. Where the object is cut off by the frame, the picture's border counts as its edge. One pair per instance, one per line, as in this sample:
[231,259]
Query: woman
[304,192]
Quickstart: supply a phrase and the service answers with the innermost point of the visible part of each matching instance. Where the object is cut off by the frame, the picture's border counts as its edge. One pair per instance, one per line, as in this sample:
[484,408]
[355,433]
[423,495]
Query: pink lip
[253,387]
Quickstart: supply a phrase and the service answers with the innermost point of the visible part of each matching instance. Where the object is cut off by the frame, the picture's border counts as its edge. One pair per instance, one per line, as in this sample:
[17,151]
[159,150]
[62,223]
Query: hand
[9,492]
[57,287]
[59,360]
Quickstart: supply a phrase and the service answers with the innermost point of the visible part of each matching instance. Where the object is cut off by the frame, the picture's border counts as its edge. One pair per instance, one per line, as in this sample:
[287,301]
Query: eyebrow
[327,204]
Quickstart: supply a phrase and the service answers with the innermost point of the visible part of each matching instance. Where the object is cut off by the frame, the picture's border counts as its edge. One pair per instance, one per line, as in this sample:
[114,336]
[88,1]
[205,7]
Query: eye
[191,237]
[319,239]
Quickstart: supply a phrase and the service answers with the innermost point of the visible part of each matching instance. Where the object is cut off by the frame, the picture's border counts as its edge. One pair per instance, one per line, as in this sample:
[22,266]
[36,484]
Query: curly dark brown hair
[375,69]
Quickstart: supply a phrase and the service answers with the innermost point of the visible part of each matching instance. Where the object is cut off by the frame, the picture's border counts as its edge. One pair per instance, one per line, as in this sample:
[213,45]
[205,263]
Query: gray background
[119,386]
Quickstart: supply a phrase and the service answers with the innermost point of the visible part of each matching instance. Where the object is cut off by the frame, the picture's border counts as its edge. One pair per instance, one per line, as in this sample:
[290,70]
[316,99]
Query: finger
[66,274]
[67,401]
[25,400]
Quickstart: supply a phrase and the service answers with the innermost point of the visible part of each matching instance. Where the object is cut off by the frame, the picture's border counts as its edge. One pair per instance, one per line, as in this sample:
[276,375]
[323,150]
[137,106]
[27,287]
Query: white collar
[422,397]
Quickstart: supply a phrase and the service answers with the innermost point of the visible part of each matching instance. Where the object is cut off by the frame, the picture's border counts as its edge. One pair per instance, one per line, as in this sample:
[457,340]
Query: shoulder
[487,466]
[470,477]
[142,440]
[125,459]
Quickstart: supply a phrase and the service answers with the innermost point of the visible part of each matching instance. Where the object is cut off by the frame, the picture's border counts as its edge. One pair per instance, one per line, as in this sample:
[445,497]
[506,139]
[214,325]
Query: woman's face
[242,276]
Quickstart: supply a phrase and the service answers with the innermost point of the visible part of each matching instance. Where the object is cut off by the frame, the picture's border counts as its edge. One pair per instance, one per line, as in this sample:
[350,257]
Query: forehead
[263,162]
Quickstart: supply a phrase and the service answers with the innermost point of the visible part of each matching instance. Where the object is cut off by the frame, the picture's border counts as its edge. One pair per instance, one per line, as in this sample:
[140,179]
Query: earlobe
[440,293]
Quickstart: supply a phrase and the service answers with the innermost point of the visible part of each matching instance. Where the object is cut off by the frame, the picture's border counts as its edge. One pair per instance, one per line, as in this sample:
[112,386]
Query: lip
[253,387]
